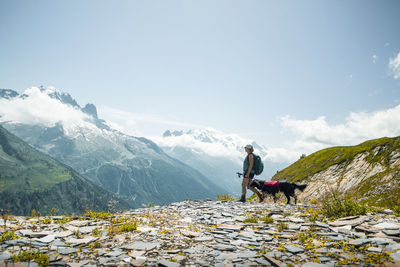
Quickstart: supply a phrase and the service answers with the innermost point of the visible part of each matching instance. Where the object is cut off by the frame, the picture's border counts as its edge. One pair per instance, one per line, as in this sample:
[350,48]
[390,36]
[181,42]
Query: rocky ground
[203,233]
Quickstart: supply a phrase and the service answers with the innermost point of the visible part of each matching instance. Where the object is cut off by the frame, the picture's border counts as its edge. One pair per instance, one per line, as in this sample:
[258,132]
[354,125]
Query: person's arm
[251,164]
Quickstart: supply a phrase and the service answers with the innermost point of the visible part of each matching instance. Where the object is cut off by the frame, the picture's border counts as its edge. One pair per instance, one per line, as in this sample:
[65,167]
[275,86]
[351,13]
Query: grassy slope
[30,179]
[23,168]
[323,159]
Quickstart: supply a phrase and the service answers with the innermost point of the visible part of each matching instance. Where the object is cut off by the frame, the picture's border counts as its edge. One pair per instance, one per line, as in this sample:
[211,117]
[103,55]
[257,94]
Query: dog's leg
[274,197]
[288,198]
[295,199]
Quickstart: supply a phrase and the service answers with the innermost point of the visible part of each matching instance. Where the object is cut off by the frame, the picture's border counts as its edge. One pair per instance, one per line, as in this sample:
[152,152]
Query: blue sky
[267,70]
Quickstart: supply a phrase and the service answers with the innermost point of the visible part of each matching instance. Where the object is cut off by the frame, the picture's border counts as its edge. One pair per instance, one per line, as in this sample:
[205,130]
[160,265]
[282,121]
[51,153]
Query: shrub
[37,256]
[267,219]
[334,205]
[8,236]
[98,215]
[128,227]
[225,198]
[282,226]
[250,220]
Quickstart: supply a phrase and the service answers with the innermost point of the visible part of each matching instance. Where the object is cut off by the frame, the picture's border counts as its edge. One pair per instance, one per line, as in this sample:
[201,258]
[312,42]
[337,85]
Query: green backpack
[258,165]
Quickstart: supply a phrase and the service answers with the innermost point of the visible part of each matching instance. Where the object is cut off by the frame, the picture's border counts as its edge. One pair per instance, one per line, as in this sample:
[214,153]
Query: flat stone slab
[229,227]
[63,234]
[204,238]
[47,239]
[359,242]
[80,241]
[66,251]
[387,226]
[225,248]
[142,246]
[79,223]
[353,222]
[166,263]
[293,249]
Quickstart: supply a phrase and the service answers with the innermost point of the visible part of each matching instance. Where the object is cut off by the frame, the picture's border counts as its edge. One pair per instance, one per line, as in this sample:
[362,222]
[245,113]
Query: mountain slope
[30,180]
[369,172]
[135,168]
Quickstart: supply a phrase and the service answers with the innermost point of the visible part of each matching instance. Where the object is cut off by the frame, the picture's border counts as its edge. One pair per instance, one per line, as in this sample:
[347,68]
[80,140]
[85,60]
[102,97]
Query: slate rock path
[205,233]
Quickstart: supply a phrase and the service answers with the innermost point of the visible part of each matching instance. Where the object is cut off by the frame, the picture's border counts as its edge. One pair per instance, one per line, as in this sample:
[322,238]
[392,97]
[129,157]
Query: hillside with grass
[30,179]
[368,172]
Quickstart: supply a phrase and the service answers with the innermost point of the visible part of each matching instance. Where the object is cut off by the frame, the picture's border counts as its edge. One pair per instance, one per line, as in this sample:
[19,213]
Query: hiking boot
[261,198]
[242,199]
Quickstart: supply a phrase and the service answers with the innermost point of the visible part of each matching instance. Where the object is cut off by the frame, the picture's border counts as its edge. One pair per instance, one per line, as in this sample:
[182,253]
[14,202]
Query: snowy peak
[209,141]
[59,95]
[8,93]
[47,106]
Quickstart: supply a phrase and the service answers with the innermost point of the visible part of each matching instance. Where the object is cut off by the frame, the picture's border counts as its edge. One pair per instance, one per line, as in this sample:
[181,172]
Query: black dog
[287,188]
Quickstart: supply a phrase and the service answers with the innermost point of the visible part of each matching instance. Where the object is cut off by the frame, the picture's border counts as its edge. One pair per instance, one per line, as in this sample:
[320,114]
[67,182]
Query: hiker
[248,174]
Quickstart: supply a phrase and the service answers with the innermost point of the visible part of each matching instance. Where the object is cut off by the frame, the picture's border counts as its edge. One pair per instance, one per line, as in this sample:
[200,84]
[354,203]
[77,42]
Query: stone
[393,247]
[80,241]
[374,249]
[388,226]
[293,249]
[63,234]
[359,242]
[142,246]
[79,223]
[168,263]
[224,247]
[5,256]
[313,264]
[66,251]
[246,255]
[391,232]
[47,239]
[139,261]
[204,238]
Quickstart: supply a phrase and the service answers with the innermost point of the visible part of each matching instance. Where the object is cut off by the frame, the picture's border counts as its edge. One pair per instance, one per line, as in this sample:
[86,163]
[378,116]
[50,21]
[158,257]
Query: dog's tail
[301,187]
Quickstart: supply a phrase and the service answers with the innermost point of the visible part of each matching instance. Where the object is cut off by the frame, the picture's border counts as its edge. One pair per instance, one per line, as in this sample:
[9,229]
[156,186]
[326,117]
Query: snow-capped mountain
[216,154]
[136,168]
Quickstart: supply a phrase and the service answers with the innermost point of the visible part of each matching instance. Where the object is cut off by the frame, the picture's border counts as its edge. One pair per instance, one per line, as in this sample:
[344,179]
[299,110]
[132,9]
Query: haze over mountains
[133,167]
[216,154]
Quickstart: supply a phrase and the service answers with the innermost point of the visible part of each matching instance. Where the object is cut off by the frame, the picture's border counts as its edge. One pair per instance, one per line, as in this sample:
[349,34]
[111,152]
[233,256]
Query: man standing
[248,174]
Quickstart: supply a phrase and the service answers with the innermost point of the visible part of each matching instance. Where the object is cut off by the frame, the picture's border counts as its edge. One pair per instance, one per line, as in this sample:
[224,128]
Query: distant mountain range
[368,172]
[30,179]
[215,154]
[135,168]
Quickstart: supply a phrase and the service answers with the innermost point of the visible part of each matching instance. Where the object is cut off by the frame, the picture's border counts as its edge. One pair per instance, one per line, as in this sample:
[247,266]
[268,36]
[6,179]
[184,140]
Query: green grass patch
[335,205]
[8,236]
[37,256]
[98,215]
[267,219]
[251,220]
[226,197]
[128,227]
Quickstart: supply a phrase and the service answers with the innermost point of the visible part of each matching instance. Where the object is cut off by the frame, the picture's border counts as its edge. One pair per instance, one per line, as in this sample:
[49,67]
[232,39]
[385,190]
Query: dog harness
[271,184]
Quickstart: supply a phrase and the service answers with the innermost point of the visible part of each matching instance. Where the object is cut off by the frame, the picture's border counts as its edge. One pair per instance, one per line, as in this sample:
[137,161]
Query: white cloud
[374,58]
[208,141]
[313,135]
[39,108]
[394,66]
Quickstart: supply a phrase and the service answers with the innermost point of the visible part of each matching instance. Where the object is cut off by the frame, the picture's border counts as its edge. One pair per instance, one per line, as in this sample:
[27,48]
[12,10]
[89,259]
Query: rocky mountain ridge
[199,233]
